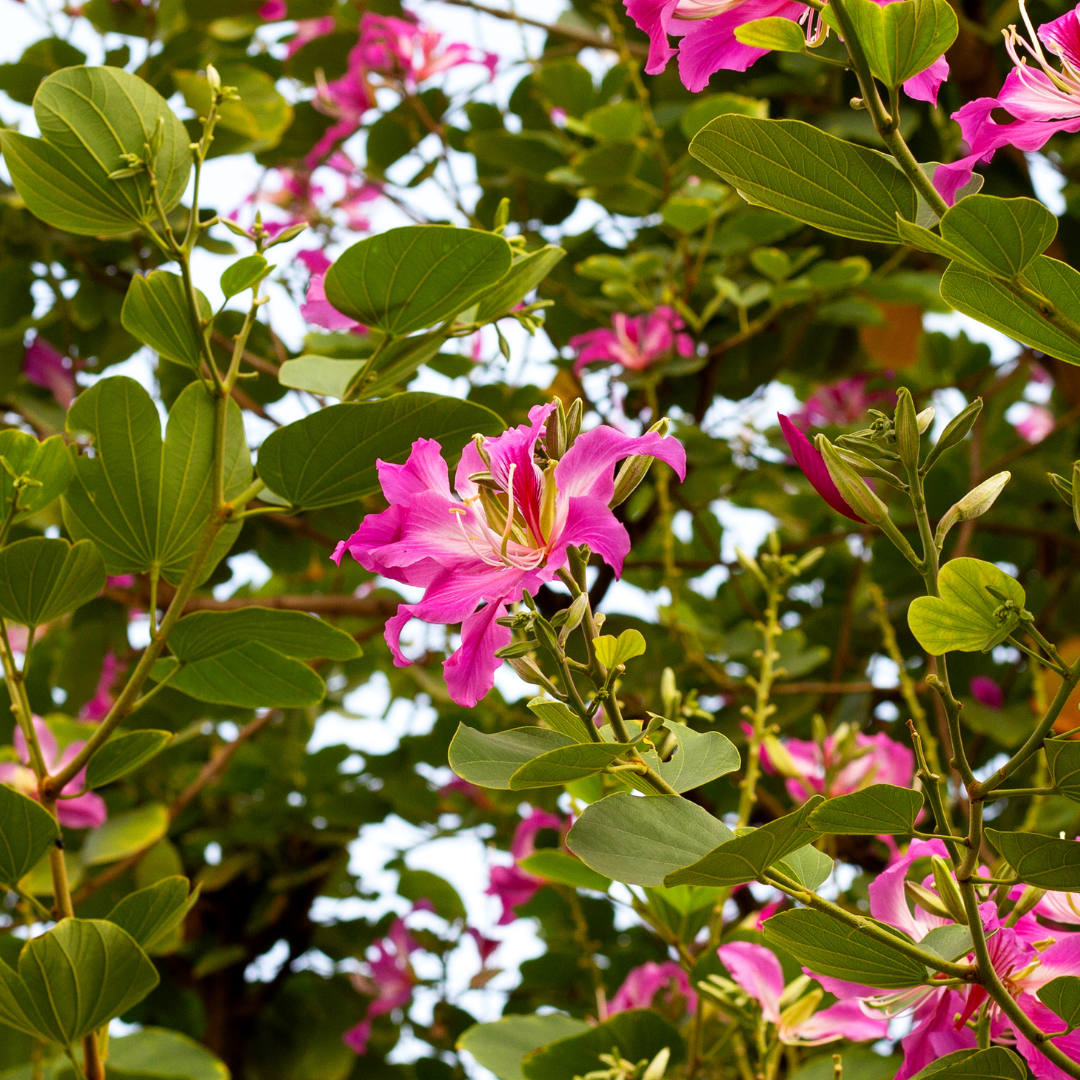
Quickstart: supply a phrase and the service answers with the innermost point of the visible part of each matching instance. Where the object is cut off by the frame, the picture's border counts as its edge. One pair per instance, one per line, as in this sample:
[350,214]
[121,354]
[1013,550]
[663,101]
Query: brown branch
[256,362]
[381,607]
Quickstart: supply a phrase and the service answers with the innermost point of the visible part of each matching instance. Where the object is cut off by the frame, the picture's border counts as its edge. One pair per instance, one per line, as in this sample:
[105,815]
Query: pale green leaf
[149,914]
[47,463]
[204,634]
[562,869]
[124,834]
[994,1063]
[491,760]
[500,1046]
[565,764]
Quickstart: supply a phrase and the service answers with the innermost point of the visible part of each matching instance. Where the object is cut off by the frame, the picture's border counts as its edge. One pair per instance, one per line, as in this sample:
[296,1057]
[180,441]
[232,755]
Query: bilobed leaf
[149,914]
[525,274]
[42,579]
[612,651]
[773,33]
[830,948]
[1002,236]
[204,634]
[329,457]
[124,834]
[124,754]
[565,764]
[699,758]
[46,462]
[638,1034]
[992,302]
[500,1046]
[142,501]
[641,839]
[156,312]
[89,118]
[491,760]
[414,277]
[559,718]
[1062,997]
[395,365]
[1040,860]
[995,1063]
[881,809]
[243,274]
[27,831]
[800,171]
[950,942]
[962,618]
[806,865]
[747,856]
[1063,758]
[165,1054]
[562,869]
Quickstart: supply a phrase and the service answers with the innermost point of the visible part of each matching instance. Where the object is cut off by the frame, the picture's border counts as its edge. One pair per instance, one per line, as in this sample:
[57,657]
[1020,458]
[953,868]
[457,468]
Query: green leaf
[46,462]
[747,856]
[611,652]
[244,274]
[74,979]
[1062,997]
[773,33]
[1063,758]
[89,118]
[992,302]
[526,273]
[807,865]
[995,1063]
[204,634]
[882,809]
[562,869]
[565,764]
[962,618]
[417,276]
[423,885]
[501,1045]
[699,757]
[258,119]
[638,1034]
[125,753]
[830,948]
[329,457]
[249,677]
[124,834]
[395,365]
[324,375]
[156,312]
[144,502]
[42,579]
[149,914]
[491,760]
[39,880]
[902,42]
[27,831]
[559,718]
[160,1052]
[641,839]
[950,942]
[1040,860]
[800,171]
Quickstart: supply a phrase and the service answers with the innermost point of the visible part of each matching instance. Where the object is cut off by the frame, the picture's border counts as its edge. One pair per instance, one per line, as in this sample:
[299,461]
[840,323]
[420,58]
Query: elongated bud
[658,1066]
[574,614]
[573,422]
[526,667]
[865,467]
[800,1011]
[286,235]
[669,694]
[1062,486]
[1028,899]
[516,649]
[820,732]
[502,215]
[850,485]
[947,889]
[632,471]
[1076,493]
[925,419]
[750,565]
[779,758]
[927,900]
[478,442]
[547,637]
[555,432]
[808,560]
[955,432]
[493,509]
[906,425]
[974,504]
[213,78]
[794,990]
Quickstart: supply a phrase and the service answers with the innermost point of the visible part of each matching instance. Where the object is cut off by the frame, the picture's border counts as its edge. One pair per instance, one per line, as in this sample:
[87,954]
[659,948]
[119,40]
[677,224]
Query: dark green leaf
[698,758]
[161,1053]
[1063,758]
[501,1045]
[244,274]
[42,579]
[204,634]
[559,718]
[1040,860]
[46,462]
[491,760]
[1062,997]
[27,831]
[156,312]
[950,942]
[123,754]
[562,869]
[996,1063]
[149,914]
[882,809]
[807,865]
[417,885]
[565,764]
[526,273]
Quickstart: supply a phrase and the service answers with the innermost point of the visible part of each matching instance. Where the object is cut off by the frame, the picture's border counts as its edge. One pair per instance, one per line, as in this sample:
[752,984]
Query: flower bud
[850,485]
[1028,899]
[865,467]
[658,1066]
[955,432]
[907,430]
[781,761]
[545,634]
[800,1011]
[1062,486]
[1076,493]
[573,422]
[478,442]
[974,504]
[947,889]
[555,432]
[925,419]
[632,471]
[750,565]
[526,668]
[213,78]
[669,694]
[286,235]
[574,614]
[548,501]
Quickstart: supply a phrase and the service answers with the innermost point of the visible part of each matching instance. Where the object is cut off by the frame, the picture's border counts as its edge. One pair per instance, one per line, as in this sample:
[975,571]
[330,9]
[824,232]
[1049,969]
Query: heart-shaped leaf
[491,760]
[124,754]
[1063,758]
[699,757]
[1062,997]
[204,634]
[46,463]
[614,651]
[27,831]
[881,809]
[1040,860]
[42,579]
[565,764]
[149,914]
[500,1045]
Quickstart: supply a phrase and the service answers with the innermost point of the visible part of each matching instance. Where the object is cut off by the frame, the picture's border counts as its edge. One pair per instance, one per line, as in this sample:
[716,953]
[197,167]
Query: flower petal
[813,466]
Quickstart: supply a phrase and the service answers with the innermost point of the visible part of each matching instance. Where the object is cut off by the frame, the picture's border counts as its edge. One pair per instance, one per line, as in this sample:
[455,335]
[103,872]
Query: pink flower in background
[467,551]
[809,459]
[485,946]
[641,986]
[389,982]
[274,11]
[45,366]
[512,885]
[346,99]
[877,760]
[403,49]
[120,581]
[97,708]
[986,692]
[1037,425]
[308,30]
[316,308]
[841,404]
[757,971]
[85,811]
[634,341]
[1044,100]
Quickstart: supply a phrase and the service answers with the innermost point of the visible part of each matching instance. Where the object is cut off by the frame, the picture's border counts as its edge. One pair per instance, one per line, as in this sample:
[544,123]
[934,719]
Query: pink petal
[758,972]
[523,844]
[934,1033]
[470,671]
[925,85]
[588,467]
[813,466]
[85,812]
[1062,37]
[652,17]
[986,692]
[589,521]
[888,899]
[844,1020]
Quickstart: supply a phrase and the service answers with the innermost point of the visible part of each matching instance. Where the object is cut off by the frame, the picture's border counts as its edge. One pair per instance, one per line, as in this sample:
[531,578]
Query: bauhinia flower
[85,811]
[512,885]
[634,341]
[758,973]
[45,366]
[644,983]
[986,692]
[97,708]
[809,459]
[482,549]
[1043,98]
[1037,425]
[842,403]
[316,308]
[405,50]
[707,29]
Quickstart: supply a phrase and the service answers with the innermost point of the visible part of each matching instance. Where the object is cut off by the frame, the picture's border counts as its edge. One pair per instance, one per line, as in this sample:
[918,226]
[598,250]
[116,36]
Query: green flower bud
[955,432]
[974,504]
[947,889]
[850,485]
[907,430]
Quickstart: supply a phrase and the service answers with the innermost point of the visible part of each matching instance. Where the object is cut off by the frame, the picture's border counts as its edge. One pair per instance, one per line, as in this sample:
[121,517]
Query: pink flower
[986,692]
[318,310]
[120,581]
[641,986]
[389,982]
[809,459]
[1043,99]
[44,366]
[97,708]
[757,971]
[709,45]
[635,341]
[85,811]
[404,50]
[512,885]
[308,30]
[1037,425]
[492,549]
[841,404]
[274,11]
[346,99]
[485,946]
